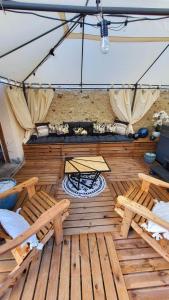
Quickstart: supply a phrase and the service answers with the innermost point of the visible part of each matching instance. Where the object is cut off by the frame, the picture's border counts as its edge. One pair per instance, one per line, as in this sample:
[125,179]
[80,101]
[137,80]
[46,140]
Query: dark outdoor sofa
[161,166]
[80,139]
[91,137]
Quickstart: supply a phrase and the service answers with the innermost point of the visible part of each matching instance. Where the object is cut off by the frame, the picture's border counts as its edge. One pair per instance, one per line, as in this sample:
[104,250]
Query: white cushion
[119,128]
[160,209]
[42,130]
[14,224]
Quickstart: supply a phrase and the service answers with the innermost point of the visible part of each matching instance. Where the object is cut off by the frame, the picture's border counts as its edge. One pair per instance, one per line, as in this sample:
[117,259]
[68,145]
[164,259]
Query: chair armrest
[147,180]
[44,219]
[142,211]
[28,184]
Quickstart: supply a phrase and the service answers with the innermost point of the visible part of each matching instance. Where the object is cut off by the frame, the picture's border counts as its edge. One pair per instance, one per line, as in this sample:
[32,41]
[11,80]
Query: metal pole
[82,54]
[36,38]
[134,97]
[83,9]
[152,64]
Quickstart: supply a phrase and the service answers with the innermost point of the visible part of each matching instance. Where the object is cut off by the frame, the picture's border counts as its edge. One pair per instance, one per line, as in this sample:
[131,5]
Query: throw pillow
[42,130]
[99,128]
[80,131]
[52,128]
[62,129]
[14,224]
[110,128]
[120,127]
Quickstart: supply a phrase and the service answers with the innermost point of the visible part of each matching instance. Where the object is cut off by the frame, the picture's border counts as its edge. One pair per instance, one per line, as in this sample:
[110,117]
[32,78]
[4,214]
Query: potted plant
[159,119]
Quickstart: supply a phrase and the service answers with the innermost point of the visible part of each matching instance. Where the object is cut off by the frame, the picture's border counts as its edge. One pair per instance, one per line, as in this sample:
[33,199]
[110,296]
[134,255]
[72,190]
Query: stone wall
[95,106]
[76,106]
[161,104]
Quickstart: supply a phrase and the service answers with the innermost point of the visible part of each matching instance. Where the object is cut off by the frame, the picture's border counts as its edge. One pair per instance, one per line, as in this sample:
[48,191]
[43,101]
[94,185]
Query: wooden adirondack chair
[135,209]
[45,215]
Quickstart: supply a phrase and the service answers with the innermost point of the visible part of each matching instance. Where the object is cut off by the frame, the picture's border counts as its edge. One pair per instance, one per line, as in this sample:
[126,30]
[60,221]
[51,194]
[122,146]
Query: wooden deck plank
[53,280]
[87,287]
[64,291]
[117,273]
[140,253]
[144,265]
[41,285]
[150,293]
[157,278]
[108,280]
[31,279]
[17,290]
[98,288]
[93,229]
[75,269]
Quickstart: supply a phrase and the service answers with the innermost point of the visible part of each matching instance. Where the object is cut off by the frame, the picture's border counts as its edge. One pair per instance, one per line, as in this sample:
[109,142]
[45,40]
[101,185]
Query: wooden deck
[50,171]
[93,266]
[93,262]
[92,214]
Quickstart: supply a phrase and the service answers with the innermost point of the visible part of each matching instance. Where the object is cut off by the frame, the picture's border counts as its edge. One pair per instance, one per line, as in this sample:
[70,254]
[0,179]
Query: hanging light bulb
[104,43]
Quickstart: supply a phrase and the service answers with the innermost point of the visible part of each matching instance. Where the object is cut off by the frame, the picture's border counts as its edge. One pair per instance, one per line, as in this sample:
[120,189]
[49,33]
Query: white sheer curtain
[121,102]
[20,109]
[39,101]
[27,115]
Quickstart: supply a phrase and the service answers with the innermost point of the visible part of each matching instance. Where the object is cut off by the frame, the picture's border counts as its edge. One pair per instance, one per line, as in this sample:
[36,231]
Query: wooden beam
[88,10]
[119,39]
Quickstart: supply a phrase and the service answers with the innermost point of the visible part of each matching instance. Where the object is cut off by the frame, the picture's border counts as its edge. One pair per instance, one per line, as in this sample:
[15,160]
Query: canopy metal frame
[82,12]
[51,51]
[87,10]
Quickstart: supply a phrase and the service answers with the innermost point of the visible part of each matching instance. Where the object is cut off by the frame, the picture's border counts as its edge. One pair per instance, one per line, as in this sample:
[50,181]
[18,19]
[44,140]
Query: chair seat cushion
[15,224]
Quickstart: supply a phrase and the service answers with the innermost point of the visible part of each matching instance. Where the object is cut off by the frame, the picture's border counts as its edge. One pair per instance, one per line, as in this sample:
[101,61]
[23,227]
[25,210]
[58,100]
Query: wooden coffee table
[88,167]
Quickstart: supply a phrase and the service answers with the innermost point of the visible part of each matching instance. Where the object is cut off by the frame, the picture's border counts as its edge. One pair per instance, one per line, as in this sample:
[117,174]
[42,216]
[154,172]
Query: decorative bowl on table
[149,157]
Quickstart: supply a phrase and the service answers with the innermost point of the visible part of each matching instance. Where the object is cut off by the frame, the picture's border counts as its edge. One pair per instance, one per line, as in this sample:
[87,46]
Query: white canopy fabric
[133,47]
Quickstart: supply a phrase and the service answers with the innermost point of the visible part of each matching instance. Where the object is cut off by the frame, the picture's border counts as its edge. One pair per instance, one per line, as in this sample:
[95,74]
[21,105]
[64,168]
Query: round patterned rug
[84,192]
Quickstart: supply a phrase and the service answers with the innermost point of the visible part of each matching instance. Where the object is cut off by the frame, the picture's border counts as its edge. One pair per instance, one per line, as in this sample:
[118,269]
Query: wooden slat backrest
[34,207]
[147,200]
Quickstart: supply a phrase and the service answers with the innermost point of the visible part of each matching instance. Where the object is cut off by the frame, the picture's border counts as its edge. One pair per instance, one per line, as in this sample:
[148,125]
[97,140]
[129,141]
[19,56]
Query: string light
[104,44]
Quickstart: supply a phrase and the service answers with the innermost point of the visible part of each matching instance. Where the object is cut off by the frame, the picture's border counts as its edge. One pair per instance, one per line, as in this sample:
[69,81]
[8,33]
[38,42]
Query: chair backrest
[34,207]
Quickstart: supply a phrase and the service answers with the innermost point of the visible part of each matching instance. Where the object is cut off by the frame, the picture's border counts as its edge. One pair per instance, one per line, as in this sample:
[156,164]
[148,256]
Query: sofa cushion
[99,128]
[120,127]
[85,125]
[80,131]
[42,130]
[62,129]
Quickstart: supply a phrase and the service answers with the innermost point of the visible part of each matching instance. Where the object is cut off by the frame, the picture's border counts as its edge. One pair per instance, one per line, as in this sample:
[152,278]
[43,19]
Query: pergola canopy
[134,46]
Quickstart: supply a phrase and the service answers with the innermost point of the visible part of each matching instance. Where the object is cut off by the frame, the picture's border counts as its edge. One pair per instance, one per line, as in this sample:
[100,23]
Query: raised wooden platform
[117,149]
